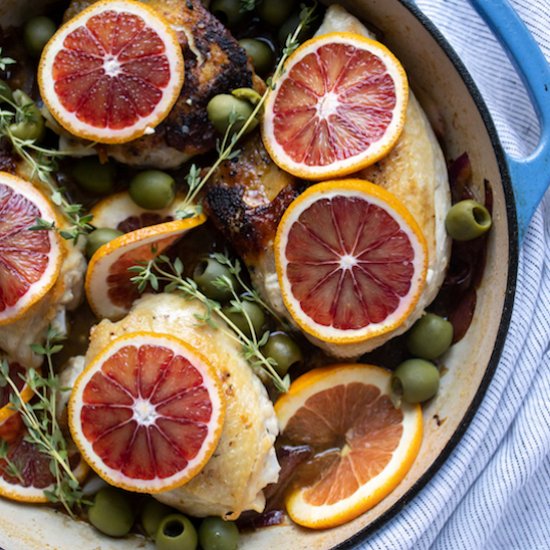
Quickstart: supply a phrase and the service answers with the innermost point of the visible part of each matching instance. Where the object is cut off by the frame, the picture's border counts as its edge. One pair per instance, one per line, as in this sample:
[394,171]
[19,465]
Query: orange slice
[351,261]
[34,468]
[30,261]
[108,284]
[147,412]
[120,212]
[339,106]
[363,445]
[16,373]
[113,72]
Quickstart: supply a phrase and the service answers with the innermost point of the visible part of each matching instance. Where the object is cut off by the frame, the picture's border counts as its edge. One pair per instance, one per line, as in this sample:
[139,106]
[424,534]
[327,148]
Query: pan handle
[530,175]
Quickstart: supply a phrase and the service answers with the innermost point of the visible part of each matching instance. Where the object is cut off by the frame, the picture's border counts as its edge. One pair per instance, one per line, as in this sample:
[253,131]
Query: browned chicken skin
[246,198]
[214,64]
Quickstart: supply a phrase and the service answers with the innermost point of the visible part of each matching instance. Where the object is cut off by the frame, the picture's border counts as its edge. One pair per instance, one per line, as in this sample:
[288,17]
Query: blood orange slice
[351,261]
[147,413]
[108,284]
[113,72]
[339,107]
[120,212]
[363,445]
[32,475]
[29,260]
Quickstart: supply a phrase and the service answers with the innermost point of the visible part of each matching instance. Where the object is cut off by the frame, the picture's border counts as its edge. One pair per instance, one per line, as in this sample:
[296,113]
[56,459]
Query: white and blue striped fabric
[494,491]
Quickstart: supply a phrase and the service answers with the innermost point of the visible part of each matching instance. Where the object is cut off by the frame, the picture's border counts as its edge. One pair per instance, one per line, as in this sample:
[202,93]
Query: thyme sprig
[5,61]
[226,147]
[40,418]
[42,164]
[251,294]
[163,270]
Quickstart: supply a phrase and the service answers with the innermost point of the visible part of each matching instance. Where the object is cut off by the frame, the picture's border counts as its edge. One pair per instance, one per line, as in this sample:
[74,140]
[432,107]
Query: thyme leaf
[40,419]
[162,269]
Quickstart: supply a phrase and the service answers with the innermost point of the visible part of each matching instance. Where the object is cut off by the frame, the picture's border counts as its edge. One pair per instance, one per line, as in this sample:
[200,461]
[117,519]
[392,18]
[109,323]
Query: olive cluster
[113,513]
[280,347]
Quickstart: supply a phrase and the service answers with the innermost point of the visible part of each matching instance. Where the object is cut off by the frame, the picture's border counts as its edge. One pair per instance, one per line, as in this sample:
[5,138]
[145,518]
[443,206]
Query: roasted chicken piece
[414,171]
[244,461]
[214,64]
[17,337]
[245,199]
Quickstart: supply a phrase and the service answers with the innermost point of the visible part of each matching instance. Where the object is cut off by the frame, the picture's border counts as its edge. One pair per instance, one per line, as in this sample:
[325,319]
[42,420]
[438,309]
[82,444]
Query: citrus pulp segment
[147,412]
[120,212]
[30,260]
[32,476]
[351,261]
[339,106]
[363,446]
[113,72]
[109,289]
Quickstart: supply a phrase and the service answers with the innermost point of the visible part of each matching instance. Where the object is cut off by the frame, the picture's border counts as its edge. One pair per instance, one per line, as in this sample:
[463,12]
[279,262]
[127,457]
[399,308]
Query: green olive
[152,513]
[153,189]
[275,12]
[111,512]
[289,27]
[415,380]
[36,33]
[93,176]
[239,318]
[99,237]
[284,350]
[207,272]
[176,532]
[223,109]
[29,122]
[430,337]
[228,12]
[261,54]
[6,94]
[467,220]
[218,534]
[247,94]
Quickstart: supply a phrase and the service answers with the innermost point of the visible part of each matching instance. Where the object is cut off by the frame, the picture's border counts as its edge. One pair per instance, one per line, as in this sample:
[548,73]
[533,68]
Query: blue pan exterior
[513,255]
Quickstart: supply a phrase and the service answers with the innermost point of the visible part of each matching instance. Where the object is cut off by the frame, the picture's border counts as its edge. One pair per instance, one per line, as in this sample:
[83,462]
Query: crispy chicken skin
[245,200]
[214,64]
[244,461]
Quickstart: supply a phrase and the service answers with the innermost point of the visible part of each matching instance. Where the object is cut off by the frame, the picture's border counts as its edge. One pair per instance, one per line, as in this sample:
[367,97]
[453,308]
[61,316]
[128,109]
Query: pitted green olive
[36,33]
[111,512]
[153,189]
[430,337]
[99,237]
[207,273]
[250,311]
[29,122]
[225,110]
[275,12]
[284,350]
[228,12]
[261,54]
[415,380]
[94,176]
[176,532]
[218,534]
[467,220]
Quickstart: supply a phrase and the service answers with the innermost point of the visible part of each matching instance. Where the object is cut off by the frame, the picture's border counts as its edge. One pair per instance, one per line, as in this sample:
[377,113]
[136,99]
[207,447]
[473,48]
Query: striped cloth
[494,491]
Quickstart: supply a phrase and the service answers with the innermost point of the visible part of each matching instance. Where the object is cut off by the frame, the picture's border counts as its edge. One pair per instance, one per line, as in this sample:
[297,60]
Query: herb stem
[226,149]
